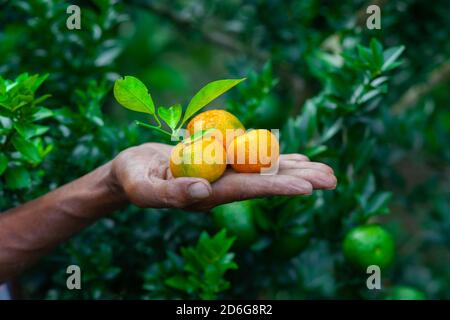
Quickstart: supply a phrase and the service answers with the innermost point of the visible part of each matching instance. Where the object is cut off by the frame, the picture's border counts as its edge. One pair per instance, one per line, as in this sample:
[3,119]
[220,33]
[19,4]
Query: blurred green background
[373,104]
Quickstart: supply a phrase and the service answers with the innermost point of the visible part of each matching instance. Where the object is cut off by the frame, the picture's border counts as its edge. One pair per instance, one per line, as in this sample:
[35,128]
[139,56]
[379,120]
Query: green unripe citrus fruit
[405,293]
[369,245]
[237,218]
[288,246]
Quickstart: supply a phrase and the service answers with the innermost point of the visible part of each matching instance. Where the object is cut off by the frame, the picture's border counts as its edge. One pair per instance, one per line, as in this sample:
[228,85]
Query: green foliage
[200,271]
[204,267]
[22,147]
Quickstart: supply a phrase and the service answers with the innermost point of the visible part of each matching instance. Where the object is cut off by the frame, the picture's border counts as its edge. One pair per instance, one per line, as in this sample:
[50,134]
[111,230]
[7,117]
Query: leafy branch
[132,94]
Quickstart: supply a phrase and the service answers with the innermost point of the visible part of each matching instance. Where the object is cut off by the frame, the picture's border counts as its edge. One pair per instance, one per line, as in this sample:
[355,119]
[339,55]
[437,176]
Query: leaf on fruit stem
[207,94]
[132,94]
[171,115]
[199,134]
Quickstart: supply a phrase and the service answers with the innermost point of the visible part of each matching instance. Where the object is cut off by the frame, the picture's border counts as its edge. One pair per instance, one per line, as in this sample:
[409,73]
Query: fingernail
[198,190]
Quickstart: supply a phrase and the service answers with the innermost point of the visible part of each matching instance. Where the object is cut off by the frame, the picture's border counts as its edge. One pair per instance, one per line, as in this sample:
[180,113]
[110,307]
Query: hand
[143,175]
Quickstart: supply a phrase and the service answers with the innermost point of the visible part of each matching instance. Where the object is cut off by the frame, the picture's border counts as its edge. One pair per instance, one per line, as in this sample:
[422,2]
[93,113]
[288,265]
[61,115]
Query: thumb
[182,192]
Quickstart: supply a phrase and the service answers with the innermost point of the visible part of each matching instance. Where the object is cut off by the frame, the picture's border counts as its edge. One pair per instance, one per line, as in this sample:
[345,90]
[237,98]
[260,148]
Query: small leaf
[369,95]
[390,57]
[41,113]
[29,130]
[2,86]
[38,81]
[171,115]
[132,94]
[378,81]
[378,204]
[365,54]
[41,99]
[26,148]
[3,163]
[207,94]
[178,282]
[314,151]
[377,53]
[331,131]
[17,178]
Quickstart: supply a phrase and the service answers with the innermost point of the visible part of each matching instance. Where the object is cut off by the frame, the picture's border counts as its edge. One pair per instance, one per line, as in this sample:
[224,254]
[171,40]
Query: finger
[319,179]
[234,187]
[289,164]
[173,193]
[294,157]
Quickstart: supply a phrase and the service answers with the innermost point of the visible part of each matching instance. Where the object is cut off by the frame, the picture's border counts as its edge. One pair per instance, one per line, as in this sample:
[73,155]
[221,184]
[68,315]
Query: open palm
[143,174]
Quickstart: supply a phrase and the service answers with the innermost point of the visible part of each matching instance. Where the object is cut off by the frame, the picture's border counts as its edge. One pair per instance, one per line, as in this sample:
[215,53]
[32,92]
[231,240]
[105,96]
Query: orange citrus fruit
[251,152]
[222,120]
[202,158]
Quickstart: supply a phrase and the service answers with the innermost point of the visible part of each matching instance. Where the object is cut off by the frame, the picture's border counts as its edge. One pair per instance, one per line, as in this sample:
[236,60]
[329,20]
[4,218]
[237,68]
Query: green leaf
[29,130]
[41,113]
[331,131]
[377,53]
[37,81]
[2,86]
[316,150]
[390,56]
[207,94]
[132,94]
[308,120]
[378,204]
[171,115]
[178,282]
[26,148]
[365,54]
[41,99]
[3,163]
[369,95]
[17,178]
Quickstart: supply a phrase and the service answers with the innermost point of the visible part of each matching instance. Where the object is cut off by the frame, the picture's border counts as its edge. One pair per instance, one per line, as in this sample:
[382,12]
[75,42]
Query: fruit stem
[142,124]
[157,120]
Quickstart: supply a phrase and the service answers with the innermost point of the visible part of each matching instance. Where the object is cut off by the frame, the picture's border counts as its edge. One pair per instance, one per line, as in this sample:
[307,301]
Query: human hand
[143,176]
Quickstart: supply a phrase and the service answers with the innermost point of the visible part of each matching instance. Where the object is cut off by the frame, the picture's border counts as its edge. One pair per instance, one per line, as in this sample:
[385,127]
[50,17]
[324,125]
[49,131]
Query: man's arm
[138,175]
[31,230]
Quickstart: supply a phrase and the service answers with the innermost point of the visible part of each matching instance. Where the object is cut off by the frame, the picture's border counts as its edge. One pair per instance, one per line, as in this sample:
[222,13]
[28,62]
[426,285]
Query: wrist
[112,183]
[94,195]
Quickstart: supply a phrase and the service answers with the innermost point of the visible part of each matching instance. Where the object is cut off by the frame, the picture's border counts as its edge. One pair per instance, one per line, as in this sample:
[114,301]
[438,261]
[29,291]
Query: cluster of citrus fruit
[217,138]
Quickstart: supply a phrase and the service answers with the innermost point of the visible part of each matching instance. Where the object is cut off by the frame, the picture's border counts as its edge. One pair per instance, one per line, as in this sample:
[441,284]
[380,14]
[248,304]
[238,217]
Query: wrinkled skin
[157,188]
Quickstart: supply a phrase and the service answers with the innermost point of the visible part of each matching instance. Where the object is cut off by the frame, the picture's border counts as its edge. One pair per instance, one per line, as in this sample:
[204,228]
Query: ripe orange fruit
[222,120]
[256,150]
[204,157]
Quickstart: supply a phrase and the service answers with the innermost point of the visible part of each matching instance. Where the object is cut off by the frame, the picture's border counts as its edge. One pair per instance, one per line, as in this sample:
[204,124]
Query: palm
[158,188]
